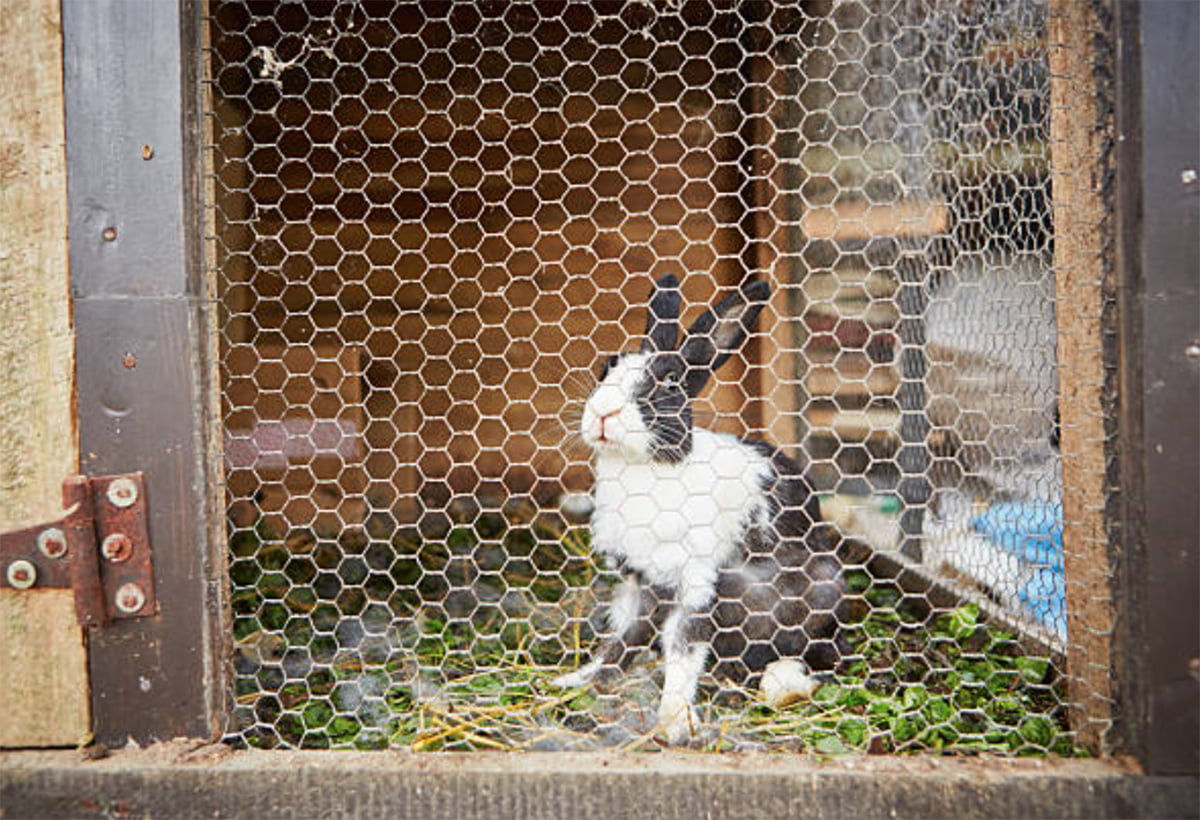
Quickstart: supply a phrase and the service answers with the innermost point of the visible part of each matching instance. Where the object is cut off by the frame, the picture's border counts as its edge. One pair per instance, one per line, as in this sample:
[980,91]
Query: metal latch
[100,548]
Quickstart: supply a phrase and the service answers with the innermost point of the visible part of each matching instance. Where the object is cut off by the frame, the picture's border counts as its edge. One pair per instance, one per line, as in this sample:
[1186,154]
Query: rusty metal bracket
[100,547]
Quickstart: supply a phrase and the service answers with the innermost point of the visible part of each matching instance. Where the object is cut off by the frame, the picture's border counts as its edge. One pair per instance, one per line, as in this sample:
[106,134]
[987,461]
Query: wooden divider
[1079,130]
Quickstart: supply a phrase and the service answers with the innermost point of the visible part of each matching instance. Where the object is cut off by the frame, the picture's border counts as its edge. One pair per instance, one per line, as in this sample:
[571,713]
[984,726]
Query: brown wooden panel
[43,660]
[485,312]
[44,670]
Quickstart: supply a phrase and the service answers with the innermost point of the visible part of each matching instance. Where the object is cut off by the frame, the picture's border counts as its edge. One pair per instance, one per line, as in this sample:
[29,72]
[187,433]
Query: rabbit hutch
[423,228]
[430,225]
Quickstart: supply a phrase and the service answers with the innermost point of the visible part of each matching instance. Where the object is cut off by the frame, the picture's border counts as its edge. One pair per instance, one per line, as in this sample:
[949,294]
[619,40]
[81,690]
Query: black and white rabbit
[716,537]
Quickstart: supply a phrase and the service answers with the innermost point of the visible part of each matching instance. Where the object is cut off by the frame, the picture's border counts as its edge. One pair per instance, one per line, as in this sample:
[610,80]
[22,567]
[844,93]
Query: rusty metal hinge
[100,547]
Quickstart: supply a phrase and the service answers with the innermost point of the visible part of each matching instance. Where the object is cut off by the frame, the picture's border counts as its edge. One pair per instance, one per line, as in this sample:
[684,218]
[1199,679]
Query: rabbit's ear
[662,318]
[719,332]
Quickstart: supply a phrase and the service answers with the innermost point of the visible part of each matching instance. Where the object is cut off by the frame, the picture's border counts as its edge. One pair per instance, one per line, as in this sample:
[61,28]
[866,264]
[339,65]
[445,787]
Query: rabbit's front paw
[676,719]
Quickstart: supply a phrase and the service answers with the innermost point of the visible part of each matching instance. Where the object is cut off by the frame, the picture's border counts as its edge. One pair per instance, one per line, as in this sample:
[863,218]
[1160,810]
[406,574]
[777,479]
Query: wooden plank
[1158,211]
[847,221]
[1079,129]
[854,425]
[130,82]
[43,660]
[43,670]
[826,381]
[849,285]
[970,163]
[782,371]
[780,347]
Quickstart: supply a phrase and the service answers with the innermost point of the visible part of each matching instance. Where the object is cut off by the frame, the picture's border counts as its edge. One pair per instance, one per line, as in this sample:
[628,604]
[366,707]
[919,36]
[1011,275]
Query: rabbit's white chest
[670,522]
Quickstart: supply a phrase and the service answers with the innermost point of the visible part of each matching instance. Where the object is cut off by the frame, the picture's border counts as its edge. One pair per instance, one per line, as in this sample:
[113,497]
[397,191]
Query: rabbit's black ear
[719,332]
[662,318]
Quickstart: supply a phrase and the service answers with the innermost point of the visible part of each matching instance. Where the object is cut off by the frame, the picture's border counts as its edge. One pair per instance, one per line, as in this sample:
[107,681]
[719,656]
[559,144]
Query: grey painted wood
[1160,131]
[185,781]
[132,212]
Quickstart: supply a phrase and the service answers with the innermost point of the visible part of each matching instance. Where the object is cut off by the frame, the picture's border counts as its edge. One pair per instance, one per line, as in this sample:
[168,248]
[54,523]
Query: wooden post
[1158,214]
[772,358]
[140,310]
[1079,127]
[43,660]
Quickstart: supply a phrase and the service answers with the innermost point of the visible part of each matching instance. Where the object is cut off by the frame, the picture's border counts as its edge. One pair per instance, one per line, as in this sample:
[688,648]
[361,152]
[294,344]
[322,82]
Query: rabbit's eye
[671,380]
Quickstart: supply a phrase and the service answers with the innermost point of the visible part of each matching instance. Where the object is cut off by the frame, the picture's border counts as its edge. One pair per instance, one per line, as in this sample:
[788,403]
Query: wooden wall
[483,250]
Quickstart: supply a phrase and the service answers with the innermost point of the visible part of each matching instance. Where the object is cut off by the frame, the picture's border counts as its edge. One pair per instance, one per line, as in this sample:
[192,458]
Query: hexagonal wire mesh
[430,225]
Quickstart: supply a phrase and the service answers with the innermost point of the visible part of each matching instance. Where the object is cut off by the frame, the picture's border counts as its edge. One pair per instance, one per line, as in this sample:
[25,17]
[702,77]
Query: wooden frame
[144,354]
[133,210]
[1156,530]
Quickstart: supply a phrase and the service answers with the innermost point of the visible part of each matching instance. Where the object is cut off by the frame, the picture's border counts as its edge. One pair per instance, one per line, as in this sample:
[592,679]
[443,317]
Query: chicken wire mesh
[430,226]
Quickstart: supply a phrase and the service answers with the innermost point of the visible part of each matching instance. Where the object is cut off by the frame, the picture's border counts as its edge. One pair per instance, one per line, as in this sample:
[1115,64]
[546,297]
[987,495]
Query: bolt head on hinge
[52,543]
[130,598]
[122,493]
[21,575]
[117,547]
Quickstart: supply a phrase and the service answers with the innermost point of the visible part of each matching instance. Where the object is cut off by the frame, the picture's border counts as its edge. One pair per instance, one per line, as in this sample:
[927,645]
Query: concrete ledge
[191,779]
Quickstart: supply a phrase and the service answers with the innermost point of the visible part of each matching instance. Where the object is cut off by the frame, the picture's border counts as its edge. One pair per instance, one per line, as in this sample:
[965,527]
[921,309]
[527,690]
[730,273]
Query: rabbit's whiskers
[581,383]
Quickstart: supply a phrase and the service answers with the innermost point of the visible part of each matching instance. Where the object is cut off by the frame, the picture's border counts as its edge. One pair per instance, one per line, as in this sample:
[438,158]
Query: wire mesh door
[430,226]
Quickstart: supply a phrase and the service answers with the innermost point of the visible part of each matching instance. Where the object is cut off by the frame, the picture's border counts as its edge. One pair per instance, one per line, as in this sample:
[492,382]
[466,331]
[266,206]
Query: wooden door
[43,660]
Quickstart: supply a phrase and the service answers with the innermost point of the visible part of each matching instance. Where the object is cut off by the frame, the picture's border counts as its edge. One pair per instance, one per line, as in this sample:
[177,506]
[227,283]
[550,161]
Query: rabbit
[716,538]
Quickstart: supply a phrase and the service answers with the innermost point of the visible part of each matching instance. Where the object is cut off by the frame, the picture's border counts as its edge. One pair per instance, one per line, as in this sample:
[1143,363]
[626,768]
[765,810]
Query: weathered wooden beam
[1080,127]
[860,220]
[43,658]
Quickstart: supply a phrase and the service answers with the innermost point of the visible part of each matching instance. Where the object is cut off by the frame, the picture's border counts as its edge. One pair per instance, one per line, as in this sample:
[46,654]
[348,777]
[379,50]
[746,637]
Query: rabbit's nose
[602,420]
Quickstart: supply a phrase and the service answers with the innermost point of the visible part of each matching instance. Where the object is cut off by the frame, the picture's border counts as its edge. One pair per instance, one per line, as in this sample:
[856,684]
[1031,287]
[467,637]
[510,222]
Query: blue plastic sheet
[1032,532]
